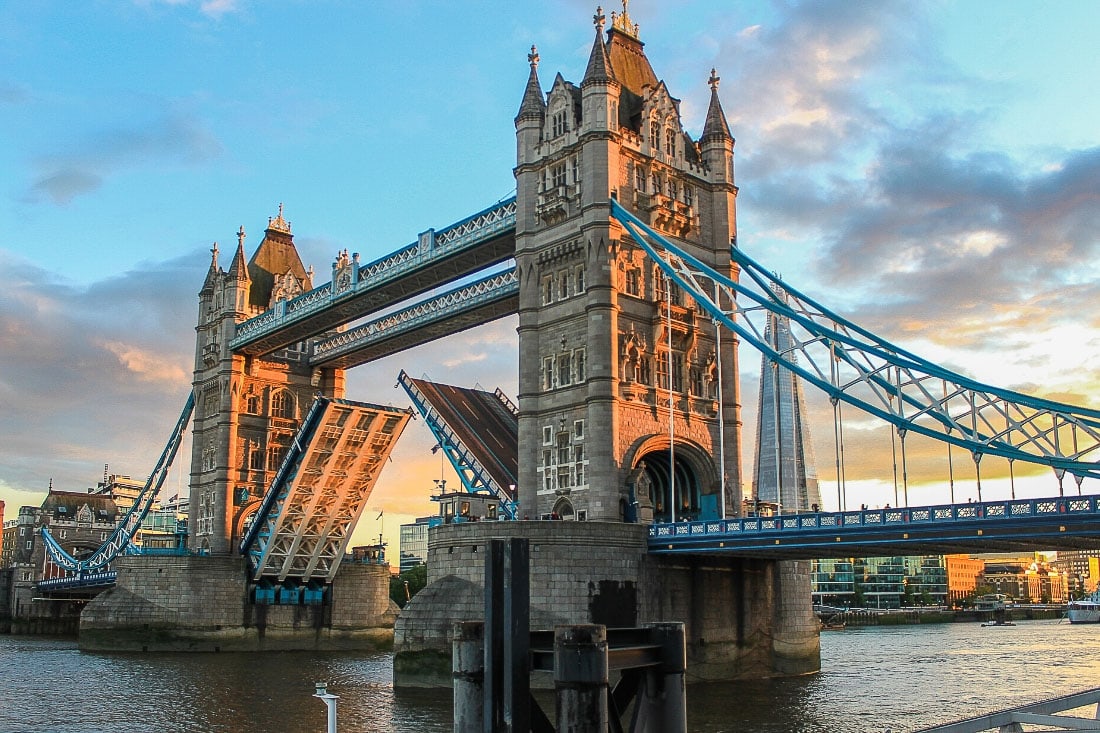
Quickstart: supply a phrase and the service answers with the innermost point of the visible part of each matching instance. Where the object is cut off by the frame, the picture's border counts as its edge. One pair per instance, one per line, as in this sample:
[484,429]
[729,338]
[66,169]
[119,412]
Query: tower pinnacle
[533,106]
[622,21]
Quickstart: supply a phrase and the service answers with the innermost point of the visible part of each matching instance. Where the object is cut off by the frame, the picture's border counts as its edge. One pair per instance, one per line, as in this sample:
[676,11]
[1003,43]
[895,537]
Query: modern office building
[414,543]
[880,582]
[964,573]
[1081,568]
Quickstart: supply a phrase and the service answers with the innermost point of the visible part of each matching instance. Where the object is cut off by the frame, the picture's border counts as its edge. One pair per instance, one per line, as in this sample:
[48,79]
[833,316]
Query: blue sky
[930,169]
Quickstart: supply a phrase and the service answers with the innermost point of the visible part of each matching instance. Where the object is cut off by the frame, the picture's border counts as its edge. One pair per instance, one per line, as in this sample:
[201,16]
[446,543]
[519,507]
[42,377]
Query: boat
[997,622]
[1086,610]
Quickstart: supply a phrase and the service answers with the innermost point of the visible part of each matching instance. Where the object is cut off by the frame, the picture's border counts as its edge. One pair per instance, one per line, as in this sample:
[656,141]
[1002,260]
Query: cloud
[172,138]
[92,375]
[214,9]
[11,94]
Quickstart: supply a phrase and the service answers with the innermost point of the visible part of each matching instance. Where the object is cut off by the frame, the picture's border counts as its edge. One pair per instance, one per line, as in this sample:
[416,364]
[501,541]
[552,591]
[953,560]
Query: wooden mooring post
[492,664]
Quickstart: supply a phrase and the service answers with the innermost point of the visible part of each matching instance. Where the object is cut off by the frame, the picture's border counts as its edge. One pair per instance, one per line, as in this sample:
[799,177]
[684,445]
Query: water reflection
[903,678]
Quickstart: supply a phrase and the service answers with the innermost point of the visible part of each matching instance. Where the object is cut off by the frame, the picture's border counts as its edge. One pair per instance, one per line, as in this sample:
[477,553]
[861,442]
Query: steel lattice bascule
[854,366]
[303,526]
[121,539]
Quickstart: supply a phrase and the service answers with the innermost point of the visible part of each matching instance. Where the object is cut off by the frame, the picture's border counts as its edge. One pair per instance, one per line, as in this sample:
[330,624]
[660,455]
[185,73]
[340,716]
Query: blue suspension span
[473,475]
[121,539]
[853,365]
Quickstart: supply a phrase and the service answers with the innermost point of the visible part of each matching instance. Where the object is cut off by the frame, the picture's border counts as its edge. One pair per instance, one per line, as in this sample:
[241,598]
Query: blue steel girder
[471,473]
[303,526]
[436,258]
[1009,526]
[456,310]
[852,365]
[1018,525]
[123,534]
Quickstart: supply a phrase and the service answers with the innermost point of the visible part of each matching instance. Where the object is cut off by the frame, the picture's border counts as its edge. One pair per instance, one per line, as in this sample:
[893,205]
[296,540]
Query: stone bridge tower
[247,409]
[607,349]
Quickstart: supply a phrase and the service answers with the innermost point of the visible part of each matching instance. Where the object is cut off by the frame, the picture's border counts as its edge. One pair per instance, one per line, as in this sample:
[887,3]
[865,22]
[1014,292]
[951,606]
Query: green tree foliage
[415,578]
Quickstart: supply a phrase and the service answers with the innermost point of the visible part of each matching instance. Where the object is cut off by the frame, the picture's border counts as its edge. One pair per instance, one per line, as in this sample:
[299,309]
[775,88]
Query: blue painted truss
[1017,525]
[852,365]
[121,539]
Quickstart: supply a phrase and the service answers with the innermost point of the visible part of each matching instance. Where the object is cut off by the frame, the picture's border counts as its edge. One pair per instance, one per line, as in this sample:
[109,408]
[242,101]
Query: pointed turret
[212,273]
[599,63]
[275,259]
[238,270]
[533,106]
[715,128]
[532,113]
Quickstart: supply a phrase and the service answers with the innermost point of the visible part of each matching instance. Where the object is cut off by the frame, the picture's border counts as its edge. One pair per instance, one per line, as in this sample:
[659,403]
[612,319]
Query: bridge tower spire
[618,398]
[247,409]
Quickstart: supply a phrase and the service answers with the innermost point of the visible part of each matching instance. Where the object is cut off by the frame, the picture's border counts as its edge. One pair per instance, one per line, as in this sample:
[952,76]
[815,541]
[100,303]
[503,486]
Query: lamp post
[330,702]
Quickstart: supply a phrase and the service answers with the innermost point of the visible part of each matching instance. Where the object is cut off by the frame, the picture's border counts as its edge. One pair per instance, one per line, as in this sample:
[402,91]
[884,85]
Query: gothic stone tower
[247,409]
[596,378]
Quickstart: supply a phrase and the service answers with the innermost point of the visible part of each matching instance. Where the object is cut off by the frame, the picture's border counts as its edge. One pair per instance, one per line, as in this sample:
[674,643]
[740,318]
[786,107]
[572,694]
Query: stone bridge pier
[744,618]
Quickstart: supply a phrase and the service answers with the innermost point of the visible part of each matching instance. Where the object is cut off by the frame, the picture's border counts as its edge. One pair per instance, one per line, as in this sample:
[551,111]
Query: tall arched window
[282,405]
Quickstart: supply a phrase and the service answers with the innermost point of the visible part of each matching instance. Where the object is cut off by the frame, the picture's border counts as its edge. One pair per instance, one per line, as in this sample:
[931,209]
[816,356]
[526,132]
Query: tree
[415,578]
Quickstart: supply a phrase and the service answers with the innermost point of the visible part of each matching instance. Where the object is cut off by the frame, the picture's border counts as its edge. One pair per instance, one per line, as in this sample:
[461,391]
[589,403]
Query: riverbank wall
[743,618]
[202,604]
[868,617]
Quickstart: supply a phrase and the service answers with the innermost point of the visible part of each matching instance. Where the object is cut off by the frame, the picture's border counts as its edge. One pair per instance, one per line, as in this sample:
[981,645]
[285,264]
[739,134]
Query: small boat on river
[1086,610]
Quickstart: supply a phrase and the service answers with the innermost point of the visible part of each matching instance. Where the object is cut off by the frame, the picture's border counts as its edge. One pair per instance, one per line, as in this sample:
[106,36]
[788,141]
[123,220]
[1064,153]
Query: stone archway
[243,522]
[655,473]
[563,509]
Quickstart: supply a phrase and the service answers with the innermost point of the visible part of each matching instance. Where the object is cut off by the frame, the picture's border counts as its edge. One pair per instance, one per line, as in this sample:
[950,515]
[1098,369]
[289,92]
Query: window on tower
[559,124]
[557,175]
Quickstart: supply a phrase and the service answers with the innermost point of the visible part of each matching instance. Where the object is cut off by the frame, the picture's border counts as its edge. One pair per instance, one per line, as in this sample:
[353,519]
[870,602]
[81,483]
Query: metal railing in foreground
[1036,713]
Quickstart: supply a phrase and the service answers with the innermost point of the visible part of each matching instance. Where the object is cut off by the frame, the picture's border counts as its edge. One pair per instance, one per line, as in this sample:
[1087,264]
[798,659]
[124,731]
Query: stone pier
[744,618]
[202,604]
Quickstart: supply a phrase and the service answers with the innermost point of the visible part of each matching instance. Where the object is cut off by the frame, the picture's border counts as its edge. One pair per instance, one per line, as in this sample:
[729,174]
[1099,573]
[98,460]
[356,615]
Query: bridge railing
[997,511]
[87,580]
[432,246]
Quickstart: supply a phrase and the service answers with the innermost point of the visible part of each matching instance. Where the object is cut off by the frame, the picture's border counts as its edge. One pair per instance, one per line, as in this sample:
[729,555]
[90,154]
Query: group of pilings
[599,674]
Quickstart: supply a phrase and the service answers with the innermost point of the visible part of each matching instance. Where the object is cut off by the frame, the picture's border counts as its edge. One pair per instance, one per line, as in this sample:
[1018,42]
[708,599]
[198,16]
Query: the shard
[782,432]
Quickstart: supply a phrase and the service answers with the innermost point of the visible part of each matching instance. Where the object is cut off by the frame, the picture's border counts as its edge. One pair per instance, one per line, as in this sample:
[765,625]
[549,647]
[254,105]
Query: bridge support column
[581,678]
[468,664]
[662,702]
[744,618]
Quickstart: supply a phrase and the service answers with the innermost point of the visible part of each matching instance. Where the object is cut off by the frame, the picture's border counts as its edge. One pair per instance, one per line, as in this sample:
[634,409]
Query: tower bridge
[618,255]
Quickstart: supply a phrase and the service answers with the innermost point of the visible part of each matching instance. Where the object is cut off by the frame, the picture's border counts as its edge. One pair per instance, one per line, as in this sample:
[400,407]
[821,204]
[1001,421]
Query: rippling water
[902,678]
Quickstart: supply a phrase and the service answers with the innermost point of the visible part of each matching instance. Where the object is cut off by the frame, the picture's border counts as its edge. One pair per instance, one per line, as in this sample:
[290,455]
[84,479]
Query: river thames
[873,679]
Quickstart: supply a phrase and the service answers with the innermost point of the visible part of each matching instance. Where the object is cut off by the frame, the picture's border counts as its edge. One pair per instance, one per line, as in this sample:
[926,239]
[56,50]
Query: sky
[929,170]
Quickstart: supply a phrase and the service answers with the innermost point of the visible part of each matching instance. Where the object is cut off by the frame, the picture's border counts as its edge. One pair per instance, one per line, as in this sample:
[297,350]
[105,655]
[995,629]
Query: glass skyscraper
[782,434]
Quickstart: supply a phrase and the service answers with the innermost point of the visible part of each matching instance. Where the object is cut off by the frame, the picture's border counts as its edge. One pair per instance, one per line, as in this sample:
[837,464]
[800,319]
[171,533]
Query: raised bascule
[618,255]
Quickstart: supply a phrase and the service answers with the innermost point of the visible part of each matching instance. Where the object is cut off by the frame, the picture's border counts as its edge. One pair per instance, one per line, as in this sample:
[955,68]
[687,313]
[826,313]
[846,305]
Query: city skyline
[930,172]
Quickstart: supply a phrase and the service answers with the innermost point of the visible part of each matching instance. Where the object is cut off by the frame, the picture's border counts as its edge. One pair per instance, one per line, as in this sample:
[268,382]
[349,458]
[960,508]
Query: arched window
[282,405]
[563,508]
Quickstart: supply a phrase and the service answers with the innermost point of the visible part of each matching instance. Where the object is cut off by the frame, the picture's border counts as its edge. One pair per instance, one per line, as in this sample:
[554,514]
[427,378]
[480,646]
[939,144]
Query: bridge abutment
[202,604]
[744,618]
